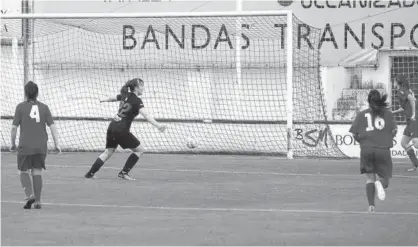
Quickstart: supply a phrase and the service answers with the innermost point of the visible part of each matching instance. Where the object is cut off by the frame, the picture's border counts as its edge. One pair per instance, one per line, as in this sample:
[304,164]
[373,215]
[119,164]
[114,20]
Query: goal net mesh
[196,81]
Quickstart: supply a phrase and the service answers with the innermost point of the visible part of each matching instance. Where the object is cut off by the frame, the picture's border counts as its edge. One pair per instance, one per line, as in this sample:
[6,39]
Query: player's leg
[38,162]
[26,183]
[380,184]
[99,162]
[415,165]
[367,168]
[413,129]
[133,158]
[384,167]
[406,139]
[24,165]
[111,145]
[37,186]
[132,143]
[370,190]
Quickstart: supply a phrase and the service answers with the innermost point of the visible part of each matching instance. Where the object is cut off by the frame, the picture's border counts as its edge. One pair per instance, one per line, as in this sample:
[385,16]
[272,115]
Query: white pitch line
[235,172]
[253,210]
[264,173]
[239,172]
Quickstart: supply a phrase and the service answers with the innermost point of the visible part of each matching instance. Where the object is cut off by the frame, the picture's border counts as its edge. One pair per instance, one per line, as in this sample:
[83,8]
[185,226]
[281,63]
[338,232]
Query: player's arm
[355,128]
[400,109]
[54,130]
[13,137]
[151,119]
[112,99]
[393,125]
[411,100]
[356,137]
[15,124]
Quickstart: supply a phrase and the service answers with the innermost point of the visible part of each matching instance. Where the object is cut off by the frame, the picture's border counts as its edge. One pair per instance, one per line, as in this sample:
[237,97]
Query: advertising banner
[352,26]
[348,26]
[345,141]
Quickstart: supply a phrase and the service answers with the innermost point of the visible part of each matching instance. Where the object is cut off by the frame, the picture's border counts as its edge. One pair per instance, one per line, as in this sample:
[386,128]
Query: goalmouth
[234,81]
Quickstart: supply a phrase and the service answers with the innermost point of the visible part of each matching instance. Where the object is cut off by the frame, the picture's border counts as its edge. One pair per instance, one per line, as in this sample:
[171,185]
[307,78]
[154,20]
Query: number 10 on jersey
[379,123]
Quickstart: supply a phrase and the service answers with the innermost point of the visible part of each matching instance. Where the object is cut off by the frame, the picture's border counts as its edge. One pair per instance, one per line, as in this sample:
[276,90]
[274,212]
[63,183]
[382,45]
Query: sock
[411,153]
[385,182]
[370,191]
[37,186]
[130,162]
[26,183]
[96,166]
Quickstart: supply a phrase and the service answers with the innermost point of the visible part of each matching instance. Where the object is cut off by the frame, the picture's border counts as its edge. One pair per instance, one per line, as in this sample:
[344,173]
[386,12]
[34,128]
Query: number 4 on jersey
[379,123]
[34,113]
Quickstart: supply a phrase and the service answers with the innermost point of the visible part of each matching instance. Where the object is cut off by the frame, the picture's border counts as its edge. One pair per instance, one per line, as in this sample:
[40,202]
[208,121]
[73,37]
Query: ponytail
[130,86]
[124,91]
[377,103]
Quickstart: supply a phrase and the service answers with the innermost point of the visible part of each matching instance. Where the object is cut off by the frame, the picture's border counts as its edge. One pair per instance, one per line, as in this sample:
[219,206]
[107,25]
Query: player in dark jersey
[408,107]
[118,132]
[32,116]
[374,128]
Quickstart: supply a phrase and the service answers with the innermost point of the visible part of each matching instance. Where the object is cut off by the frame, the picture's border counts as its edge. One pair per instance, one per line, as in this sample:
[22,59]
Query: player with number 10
[374,128]
[118,132]
[32,116]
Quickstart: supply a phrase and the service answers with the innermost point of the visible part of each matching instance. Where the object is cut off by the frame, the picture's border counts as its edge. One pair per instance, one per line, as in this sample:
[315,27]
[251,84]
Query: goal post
[240,82]
[289,85]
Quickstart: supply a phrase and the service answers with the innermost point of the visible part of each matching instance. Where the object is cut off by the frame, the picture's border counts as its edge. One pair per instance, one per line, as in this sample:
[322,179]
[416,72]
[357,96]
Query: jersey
[32,117]
[404,102]
[128,109]
[374,131]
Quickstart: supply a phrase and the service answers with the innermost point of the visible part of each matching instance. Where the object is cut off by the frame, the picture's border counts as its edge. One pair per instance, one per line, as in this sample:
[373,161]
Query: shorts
[125,139]
[376,160]
[411,129]
[28,162]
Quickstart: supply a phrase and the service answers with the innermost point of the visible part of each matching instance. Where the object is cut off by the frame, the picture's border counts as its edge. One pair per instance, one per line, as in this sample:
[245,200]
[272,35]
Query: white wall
[334,80]
[380,74]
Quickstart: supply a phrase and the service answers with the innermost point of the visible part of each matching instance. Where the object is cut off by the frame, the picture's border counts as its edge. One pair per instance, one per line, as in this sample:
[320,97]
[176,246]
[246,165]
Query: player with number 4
[374,128]
[32,116]
[118,132]
[408,107]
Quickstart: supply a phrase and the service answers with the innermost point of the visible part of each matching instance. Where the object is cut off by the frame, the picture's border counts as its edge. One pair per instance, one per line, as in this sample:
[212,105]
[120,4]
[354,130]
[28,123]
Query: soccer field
[208,200]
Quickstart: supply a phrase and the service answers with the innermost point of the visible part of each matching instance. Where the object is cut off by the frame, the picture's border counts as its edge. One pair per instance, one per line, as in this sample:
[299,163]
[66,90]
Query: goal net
[221,79]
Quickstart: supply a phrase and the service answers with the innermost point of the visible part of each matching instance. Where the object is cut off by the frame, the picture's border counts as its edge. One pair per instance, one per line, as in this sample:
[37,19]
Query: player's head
[135,86]
[31,91]
[138,86]
[401,82]
[377,102]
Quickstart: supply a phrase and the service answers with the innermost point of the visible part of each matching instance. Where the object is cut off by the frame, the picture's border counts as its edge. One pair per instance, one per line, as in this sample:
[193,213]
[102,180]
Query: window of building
[408,66]
[355,74]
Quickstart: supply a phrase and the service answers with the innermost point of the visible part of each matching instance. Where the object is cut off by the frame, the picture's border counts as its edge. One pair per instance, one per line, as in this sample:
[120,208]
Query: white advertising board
[345,141]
